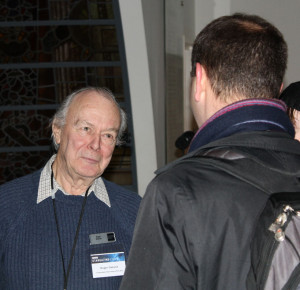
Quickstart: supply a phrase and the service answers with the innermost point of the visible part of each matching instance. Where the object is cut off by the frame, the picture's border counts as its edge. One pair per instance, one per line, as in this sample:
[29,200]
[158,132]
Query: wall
[174,74]
[140,91]
[154,17]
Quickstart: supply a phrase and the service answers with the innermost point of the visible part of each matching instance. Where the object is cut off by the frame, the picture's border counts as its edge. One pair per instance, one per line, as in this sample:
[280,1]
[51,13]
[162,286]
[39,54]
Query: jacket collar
[264,140]
[244,116]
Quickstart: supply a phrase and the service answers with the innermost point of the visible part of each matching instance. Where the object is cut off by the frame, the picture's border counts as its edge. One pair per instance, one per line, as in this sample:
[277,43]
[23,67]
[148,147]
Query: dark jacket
[197,218]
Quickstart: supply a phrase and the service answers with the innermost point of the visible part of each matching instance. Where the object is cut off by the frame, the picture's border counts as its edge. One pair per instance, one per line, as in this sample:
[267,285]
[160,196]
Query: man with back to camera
[197,218]
[65,227]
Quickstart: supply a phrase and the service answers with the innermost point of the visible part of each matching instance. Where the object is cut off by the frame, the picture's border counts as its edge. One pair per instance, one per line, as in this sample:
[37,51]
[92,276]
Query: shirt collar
[45,190]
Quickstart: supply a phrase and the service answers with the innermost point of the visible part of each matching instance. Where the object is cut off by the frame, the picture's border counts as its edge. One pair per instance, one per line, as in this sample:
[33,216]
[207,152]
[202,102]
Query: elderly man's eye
[108,138]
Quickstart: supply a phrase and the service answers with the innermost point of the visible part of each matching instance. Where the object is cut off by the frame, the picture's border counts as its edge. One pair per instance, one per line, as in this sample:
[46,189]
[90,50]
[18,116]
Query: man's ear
[56,132]
[200,72]
[281,87]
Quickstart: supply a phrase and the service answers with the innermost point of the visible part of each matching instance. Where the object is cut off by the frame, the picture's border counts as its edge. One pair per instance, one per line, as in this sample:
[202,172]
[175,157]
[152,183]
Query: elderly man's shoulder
[16,197]
[121,193]
[16,188]
[124,203]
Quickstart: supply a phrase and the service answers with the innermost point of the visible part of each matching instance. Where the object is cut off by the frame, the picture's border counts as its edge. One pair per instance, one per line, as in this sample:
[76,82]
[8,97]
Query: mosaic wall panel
[48,49]
[58,43]
[17,164]
[25,128]
[41,10]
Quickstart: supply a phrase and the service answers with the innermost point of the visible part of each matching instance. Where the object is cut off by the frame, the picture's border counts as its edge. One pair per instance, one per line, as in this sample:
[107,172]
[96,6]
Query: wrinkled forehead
[92,101]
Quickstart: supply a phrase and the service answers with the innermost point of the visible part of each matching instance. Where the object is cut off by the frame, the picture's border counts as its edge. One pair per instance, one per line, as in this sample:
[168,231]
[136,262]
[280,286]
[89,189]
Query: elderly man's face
[83,153]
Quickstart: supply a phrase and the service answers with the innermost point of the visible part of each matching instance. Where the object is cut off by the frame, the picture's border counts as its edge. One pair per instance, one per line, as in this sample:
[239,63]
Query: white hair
[59,118]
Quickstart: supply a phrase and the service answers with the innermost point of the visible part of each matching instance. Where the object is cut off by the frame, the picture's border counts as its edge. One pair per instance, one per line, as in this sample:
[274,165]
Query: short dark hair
[243,56]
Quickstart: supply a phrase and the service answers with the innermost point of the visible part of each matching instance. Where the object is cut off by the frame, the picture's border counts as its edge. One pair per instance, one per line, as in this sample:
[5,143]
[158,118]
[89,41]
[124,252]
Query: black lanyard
[66,275]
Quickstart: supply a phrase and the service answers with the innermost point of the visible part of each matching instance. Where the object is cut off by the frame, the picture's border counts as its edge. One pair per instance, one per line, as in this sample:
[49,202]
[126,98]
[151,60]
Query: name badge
[108,264]
[102,238]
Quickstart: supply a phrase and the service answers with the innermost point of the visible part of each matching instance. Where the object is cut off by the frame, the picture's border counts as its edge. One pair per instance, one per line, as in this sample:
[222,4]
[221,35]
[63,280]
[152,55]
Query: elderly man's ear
[56,133]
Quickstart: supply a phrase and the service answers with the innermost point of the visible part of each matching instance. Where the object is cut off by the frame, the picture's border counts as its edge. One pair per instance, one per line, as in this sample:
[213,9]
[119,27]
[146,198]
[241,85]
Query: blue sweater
[29,249]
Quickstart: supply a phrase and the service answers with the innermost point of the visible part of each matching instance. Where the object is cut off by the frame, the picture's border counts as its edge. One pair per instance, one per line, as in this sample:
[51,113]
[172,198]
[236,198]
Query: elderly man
[197,218]
[65,227]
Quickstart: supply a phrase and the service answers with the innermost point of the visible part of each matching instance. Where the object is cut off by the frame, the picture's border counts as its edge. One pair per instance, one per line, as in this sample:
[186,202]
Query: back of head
[243,55]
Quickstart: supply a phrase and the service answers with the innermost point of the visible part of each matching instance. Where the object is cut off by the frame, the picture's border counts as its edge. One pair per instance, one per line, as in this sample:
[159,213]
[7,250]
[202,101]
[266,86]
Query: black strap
[66,274]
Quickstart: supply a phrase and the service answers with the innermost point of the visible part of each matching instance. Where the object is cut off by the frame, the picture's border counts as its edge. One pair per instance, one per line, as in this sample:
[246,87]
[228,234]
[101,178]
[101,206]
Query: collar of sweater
[242,116]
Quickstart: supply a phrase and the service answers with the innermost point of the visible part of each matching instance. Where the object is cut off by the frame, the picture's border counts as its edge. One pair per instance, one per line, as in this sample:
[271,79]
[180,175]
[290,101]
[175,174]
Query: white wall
[140,91]
[154,17]
[174,32]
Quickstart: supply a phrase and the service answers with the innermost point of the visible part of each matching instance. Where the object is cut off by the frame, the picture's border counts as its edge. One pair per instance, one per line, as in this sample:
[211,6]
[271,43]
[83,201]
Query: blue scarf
[242,116]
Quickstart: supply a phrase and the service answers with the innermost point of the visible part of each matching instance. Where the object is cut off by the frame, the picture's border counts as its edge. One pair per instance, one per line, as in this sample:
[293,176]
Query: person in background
[64,226]
[291,96]
[196,221]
